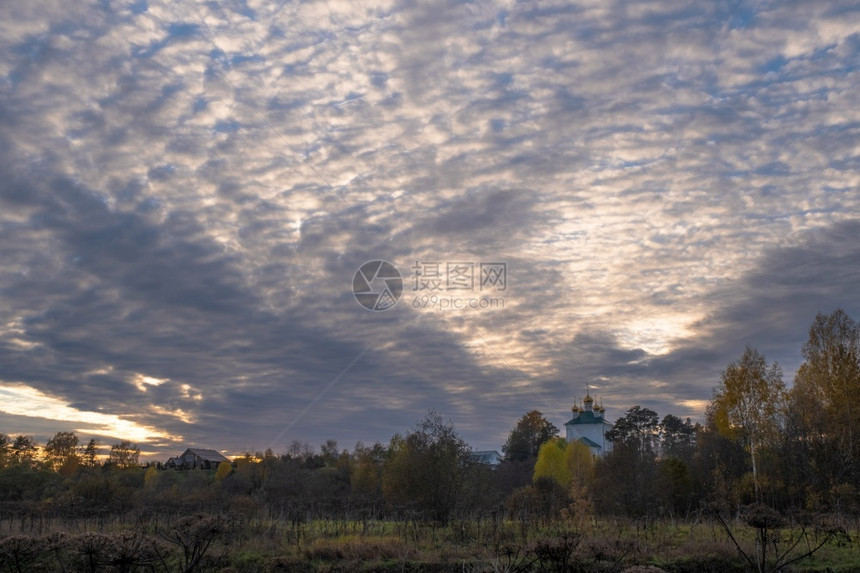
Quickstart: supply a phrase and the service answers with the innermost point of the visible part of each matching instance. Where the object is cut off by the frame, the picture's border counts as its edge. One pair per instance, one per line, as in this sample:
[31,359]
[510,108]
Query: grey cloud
[771,308]
[187,195]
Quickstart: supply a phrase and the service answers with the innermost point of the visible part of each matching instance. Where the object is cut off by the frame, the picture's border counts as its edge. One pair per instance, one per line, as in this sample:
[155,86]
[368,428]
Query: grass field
[252,544]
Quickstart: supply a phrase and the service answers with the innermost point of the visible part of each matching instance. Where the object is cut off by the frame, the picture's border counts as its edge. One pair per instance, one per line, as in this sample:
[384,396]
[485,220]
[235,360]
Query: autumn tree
[552,463]
[530,432]
[719,463]
[425,469]
[365,471]
[61,452]
[124,454]
[749,405]
[826,394]
[580,460]
[567,463]
[23,450]
[4,450]
[223,471]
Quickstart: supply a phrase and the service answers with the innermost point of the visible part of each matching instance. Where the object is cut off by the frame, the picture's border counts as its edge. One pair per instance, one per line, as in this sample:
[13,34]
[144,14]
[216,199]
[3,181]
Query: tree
[425,470]
[674,485]
[580,460]
[23,450]
[625,481]
[90,453]
[365,470]
[329,453]
[4,450]
[552,463]
[124,454]
[61,451]
[719,463]
[637,429]
[625,477]
[567,463]
[300,450]
[749,404]
[531,431]
[826,394]
[678,437]
[223,471]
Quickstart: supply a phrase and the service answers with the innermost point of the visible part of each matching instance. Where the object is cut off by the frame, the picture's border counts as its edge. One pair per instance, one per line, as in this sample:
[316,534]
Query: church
[589,426]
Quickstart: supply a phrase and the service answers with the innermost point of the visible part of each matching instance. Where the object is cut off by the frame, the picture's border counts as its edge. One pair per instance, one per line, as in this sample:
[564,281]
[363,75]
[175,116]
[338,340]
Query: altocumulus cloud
[187,189]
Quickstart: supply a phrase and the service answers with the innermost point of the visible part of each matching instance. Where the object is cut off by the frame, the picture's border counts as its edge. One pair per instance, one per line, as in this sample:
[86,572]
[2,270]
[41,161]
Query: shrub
[18,552]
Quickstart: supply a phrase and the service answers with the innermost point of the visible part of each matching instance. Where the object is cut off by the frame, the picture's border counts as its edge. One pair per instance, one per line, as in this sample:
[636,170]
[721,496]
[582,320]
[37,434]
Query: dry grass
[277,545]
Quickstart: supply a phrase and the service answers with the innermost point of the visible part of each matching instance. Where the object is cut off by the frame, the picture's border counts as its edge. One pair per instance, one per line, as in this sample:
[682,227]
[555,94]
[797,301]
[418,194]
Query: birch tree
[749,404]
[827,392]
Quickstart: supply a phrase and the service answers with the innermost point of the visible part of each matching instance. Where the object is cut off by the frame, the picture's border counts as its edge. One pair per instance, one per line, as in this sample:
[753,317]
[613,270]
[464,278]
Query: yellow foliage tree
[224,470]
[580,461]
[61,452]
[566,463]
[364,473]
[826,394]
[749,404]
[151,477]
[552,462]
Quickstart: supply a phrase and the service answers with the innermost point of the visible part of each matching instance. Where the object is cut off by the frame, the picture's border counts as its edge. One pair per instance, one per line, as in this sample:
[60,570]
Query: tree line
[761,442]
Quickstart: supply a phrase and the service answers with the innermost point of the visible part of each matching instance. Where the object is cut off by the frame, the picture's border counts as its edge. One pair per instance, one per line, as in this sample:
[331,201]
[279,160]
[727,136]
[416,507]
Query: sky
[616,197]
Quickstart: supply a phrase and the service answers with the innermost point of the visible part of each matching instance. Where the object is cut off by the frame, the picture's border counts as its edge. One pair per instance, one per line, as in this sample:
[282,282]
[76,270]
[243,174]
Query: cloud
[28,402]
[188,189]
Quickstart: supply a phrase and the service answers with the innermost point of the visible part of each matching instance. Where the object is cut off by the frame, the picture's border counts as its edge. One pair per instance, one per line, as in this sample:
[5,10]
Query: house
[490,457]
[196,458]
[589,426]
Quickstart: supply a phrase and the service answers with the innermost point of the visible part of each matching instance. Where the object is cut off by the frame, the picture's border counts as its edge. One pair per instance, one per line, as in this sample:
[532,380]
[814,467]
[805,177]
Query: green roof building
[589,426]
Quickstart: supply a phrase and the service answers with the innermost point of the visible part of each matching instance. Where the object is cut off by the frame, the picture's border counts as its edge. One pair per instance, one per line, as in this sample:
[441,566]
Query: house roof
[586,417]
[590,443]
[487,456]
[207,455]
